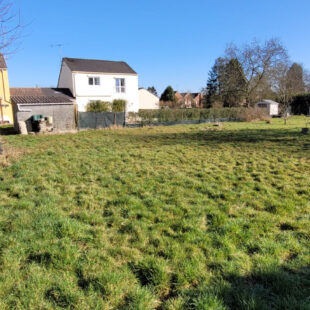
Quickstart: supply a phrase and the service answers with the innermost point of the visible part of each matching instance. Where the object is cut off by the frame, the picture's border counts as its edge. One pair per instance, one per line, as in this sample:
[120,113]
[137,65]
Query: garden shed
[271,106]
[53,104]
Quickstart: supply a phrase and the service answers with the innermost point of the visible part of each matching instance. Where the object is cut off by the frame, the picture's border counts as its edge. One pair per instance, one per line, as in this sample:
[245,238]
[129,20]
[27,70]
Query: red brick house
[189,100]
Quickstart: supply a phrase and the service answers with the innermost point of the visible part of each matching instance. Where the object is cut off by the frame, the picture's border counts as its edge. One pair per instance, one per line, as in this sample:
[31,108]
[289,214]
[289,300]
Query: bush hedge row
[301,104]
[171,115]
[117,105]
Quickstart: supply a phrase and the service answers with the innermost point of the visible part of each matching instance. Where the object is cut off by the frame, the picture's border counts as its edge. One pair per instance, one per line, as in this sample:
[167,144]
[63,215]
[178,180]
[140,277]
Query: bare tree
[258,62]
[10,27]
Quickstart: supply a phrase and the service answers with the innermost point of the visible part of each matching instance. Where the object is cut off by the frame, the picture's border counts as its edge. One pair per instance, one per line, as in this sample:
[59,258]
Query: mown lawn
[182,217]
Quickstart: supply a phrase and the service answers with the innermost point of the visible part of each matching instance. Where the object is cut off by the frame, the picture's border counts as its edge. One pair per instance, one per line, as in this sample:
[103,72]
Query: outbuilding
[271,106]
[54,105]
[147,100]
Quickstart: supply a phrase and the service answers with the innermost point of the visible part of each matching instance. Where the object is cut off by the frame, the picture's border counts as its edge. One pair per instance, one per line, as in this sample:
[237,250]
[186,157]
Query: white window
[93,80]
[120,85]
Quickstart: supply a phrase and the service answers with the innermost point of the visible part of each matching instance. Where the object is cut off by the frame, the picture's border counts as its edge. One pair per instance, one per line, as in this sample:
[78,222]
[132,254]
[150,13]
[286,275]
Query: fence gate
[96,120]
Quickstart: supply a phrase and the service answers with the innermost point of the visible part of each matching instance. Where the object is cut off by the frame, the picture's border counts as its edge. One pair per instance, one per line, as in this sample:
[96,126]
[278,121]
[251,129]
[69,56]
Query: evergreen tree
[225,84]
[295,79]
[152,90]
[233,83]
[168,95]
[212,90]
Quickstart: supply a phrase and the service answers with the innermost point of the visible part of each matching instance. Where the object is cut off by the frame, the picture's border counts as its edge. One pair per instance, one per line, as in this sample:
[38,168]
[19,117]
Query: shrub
[118,105]
[253,114]
[176,104]
[98,106]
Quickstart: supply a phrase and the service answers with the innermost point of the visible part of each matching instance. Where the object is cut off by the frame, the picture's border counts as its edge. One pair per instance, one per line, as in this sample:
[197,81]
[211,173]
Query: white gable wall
[65,78]
[147,100]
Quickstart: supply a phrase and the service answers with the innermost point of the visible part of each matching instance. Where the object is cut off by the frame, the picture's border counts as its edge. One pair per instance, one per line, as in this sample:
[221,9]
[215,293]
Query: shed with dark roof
[57,103]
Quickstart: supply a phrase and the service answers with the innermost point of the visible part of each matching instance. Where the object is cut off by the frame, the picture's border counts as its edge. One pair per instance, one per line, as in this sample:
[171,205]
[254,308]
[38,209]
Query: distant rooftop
[98,66]
[268,101]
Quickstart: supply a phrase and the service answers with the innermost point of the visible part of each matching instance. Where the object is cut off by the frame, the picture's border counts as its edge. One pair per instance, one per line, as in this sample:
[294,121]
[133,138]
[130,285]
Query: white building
[147,100]
[271,106]
[91,80]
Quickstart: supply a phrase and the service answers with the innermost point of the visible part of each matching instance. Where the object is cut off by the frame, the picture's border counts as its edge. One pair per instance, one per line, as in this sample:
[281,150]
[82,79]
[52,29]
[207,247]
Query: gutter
[20,109]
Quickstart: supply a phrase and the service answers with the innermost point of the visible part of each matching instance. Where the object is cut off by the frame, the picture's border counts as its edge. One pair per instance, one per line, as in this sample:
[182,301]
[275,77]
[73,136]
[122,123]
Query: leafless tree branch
[10,27]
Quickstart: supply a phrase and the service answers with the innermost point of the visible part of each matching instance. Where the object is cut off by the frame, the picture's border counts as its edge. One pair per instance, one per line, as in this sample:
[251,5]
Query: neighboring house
[147,100]
[271,106]
[6,113]
[48,102]
[189,100]
[178,96]
[91,80]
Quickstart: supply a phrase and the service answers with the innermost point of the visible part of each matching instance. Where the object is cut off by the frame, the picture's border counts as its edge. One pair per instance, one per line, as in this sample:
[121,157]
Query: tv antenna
[59,46]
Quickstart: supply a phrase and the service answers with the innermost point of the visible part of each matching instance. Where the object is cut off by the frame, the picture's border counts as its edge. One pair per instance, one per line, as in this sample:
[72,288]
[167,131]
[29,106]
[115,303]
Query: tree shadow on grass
[280,138]
[275,289]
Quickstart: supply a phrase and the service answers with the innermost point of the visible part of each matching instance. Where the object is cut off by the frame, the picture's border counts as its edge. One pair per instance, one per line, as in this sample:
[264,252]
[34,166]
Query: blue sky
[167,42]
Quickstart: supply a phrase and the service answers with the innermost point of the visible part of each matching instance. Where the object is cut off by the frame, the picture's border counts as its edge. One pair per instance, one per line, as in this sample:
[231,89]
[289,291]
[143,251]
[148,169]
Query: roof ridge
[91,59]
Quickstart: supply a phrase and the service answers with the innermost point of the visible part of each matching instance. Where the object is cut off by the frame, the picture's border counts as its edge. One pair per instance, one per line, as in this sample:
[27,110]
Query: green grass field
[181,217]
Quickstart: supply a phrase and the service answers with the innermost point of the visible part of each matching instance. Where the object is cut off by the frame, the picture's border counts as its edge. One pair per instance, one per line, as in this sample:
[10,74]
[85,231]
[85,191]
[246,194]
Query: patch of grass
[181,217]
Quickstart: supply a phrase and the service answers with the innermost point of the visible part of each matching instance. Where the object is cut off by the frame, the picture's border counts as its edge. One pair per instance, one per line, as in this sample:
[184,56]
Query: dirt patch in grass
[9,153]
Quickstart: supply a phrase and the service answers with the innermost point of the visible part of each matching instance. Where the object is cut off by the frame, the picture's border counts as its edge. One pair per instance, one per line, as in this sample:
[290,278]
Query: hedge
[301,104]
[170,115]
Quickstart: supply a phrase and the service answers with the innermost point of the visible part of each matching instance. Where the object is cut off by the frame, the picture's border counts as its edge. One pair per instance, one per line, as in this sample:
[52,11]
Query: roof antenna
[60,49]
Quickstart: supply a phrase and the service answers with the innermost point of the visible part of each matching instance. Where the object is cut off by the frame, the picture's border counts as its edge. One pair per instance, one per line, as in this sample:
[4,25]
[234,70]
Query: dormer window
[120,85]
[93,80]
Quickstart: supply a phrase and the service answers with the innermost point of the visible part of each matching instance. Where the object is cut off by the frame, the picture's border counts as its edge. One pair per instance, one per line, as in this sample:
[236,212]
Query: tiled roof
[98,66]
[40,95]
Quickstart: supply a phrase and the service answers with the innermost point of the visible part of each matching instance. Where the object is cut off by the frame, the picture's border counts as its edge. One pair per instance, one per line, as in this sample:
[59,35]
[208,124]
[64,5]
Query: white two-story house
[91,80]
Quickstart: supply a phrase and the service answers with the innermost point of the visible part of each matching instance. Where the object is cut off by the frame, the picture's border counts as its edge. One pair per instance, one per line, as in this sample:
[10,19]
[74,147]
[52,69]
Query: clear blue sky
[167,42]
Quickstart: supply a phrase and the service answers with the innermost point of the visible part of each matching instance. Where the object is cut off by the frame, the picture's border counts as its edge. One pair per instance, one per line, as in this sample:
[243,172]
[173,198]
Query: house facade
[92,80]
[6,112]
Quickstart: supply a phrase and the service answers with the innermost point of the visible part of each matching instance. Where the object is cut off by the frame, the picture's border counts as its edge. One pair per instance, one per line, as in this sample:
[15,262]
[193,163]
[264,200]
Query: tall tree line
[252,72]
